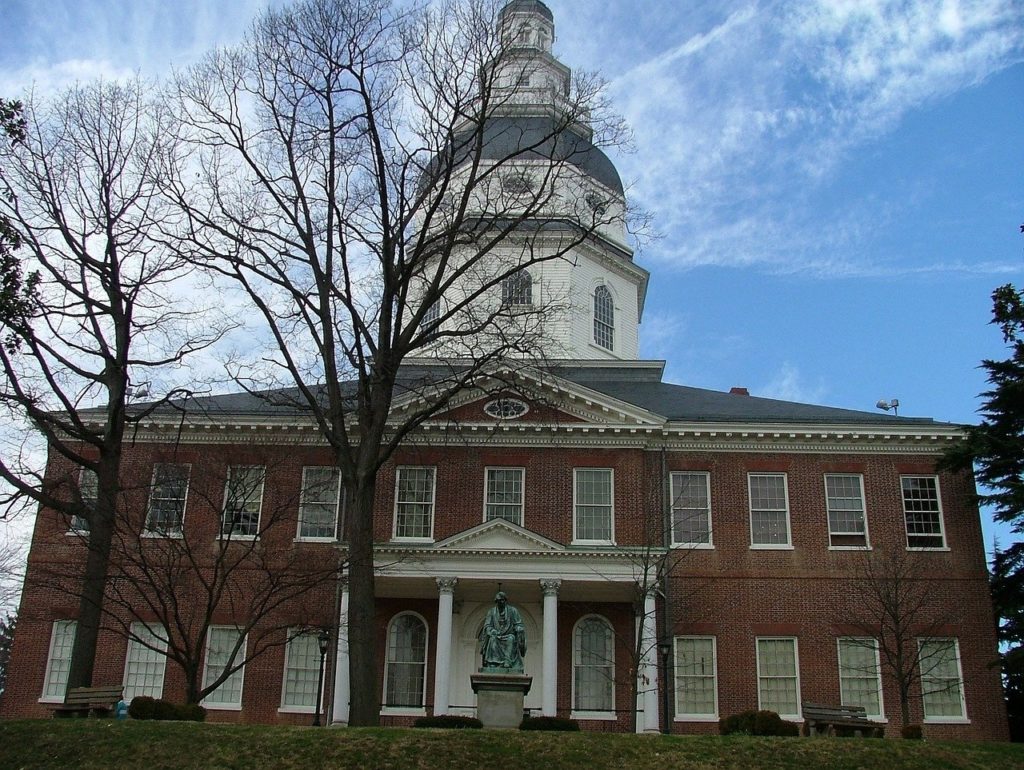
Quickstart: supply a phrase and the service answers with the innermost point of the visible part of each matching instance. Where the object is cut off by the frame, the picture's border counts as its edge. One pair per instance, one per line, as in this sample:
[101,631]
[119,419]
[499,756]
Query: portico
[599,587]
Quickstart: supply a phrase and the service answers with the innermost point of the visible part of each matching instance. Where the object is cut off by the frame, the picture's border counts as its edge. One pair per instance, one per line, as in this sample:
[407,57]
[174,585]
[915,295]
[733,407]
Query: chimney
[739,392]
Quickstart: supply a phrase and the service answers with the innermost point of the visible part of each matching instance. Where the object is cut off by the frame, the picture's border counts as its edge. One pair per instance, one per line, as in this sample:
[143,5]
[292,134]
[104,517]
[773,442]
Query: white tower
[543,146]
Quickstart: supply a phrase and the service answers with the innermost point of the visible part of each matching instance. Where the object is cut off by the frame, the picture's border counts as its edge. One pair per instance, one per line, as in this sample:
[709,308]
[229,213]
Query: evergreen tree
[16,292]
[1008,599]
[996,450]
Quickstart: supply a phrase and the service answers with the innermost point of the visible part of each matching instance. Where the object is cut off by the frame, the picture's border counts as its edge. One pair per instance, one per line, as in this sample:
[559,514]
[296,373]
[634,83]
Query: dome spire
[527,24]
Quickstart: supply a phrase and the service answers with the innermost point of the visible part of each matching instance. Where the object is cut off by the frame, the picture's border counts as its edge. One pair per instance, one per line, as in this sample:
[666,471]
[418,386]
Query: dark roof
[531,138]
[528,5]
[680,402]
[639,385]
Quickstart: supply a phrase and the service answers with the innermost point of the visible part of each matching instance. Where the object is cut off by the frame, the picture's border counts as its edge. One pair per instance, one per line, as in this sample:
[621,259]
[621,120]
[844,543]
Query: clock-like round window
[516,183]
[506,408]
[597,203]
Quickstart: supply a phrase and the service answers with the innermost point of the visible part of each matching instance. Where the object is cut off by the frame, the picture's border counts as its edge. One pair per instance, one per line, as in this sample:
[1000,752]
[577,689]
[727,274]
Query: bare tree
[675,522]
[105,312]
[8,625]
[171,579]
[898,608]
[12,563]
[343,168]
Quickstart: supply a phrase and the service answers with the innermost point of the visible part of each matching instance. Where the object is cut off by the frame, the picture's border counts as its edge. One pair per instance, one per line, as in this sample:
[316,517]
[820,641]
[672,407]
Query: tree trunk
[905,708]
[192,687]
[94,582]
[362,609]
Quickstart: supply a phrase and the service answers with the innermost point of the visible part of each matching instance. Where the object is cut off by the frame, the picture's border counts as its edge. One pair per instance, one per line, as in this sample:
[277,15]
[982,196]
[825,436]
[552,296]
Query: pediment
[551,400]
[498,535]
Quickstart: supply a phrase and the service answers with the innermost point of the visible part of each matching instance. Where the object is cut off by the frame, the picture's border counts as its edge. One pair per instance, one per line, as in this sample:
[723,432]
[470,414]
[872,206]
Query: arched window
[431,320]
[604,318]
[593,665]
[517,289]
[405,675]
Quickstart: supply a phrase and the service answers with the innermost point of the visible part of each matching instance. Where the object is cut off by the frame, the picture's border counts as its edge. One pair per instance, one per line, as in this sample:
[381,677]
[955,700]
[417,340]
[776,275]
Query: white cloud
[879,59]
[739,125]
[661,333]
[45,80]
[789,384]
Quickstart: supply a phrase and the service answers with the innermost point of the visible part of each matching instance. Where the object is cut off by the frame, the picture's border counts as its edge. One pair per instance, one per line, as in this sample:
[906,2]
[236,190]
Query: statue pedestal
[499,698]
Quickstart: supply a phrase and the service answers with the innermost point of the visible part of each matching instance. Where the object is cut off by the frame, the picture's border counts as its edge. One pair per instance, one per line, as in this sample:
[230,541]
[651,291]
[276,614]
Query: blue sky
[838,184]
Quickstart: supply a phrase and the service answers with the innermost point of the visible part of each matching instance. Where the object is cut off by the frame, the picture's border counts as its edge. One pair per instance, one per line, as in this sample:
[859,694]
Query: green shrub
[191,712]
[757,723]
[738,723]
[449,722]
[912,732]
[142,707]
[842,731]
[164,711]
[550,723]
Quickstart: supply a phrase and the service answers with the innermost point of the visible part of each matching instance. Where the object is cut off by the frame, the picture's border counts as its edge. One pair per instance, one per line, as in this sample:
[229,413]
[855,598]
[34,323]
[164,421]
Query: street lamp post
[323,639]
[664,648]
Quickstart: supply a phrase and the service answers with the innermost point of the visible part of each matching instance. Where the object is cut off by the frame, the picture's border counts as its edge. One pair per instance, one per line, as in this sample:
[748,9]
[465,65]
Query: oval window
[506,408]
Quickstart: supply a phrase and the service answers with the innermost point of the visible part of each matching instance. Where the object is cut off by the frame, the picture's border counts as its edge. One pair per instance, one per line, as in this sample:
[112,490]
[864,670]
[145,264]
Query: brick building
[616,510]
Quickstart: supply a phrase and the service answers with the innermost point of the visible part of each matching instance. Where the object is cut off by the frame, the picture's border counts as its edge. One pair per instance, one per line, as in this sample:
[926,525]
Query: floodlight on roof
[892,404]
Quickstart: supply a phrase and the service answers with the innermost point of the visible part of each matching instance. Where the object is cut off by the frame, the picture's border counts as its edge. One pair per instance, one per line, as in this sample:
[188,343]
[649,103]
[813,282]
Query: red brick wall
[548,508]
[731,591]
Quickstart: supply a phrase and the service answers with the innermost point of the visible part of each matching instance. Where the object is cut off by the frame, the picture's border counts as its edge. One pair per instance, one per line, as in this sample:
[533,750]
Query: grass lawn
[151,745]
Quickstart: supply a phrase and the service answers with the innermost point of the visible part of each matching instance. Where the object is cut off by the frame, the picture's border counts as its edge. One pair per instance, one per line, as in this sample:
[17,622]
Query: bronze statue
[502,638]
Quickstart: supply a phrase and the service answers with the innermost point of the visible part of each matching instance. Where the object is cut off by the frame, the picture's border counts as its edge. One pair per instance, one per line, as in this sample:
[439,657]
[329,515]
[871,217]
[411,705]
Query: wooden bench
[88,701]
[823,720]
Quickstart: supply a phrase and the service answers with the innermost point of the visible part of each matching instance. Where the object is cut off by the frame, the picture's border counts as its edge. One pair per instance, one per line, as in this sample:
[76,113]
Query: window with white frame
[860,675]
[431,320]
[769,510]
[594,512]
[225,648]
[504,494]
[167,496]
[593,666]
[89,492]
[406,671]
[318,506]
[243,500]
[691,509]
[844,498]
[414,503]
[942,684]
[696,677]
[778,677]
[58,663]
[604,318]
[301,671]
[517,289]
[145,662]
[922,509]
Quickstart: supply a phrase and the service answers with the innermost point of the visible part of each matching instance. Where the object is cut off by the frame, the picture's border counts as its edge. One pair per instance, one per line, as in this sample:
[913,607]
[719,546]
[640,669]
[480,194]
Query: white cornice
[725,438]
[605,421]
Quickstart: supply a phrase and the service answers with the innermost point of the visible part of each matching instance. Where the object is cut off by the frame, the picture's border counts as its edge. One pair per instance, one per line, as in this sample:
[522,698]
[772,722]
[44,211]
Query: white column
[649,665]
[341,680]
[443,655]
[549,703]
